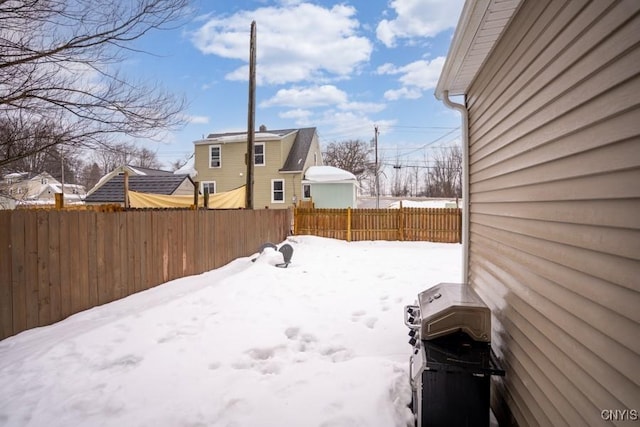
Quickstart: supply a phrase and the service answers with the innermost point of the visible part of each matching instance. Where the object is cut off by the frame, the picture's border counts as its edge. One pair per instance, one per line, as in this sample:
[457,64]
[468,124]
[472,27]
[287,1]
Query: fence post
[401,223]
[126,190]
[196,194]
[295,220]
[459,212]
[348,224]
[59,198]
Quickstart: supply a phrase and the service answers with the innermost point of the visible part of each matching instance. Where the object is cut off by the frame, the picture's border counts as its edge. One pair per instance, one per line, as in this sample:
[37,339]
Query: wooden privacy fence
[57,263]
[410,224]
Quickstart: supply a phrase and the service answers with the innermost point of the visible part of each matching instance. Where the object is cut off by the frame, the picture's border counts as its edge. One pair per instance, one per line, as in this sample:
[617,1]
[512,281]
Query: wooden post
[196,194]
[126,190]
[348,224]
[251,116]
[59,198]
[401,223]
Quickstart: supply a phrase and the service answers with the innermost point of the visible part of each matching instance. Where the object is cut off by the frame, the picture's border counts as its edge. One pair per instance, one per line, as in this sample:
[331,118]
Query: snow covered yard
[321,343]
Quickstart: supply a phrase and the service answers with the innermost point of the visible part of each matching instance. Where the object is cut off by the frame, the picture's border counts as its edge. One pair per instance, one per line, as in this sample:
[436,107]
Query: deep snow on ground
[321,343]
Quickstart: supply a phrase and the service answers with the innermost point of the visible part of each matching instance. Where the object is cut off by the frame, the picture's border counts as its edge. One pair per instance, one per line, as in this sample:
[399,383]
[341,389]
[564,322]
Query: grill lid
[450,307]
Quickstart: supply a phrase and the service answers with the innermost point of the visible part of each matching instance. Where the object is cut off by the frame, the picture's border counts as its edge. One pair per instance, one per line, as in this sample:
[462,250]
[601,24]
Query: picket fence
[404,224]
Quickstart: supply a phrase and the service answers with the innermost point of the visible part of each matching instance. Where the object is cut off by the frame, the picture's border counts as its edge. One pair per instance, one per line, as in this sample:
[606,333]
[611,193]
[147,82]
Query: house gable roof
[481,25]
[112,191]
[242,136]
[132,170]
[299,150]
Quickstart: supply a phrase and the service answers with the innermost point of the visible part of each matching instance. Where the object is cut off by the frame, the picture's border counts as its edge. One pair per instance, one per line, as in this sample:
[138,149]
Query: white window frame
[264,154]
[273,191]
[209,183]
[211,148]
[304,197]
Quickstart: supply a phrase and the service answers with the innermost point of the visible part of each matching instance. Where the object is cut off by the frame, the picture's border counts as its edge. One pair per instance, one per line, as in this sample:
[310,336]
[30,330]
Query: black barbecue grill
[452,360]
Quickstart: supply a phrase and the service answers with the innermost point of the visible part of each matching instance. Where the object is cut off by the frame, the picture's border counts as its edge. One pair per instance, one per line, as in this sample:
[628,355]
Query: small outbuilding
[330,187]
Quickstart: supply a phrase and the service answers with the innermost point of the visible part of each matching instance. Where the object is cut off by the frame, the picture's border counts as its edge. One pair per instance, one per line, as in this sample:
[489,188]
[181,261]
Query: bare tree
[179,163]
[58,67]
[125,153]
[353,156]
[445,174]
[147,159]
[89,175]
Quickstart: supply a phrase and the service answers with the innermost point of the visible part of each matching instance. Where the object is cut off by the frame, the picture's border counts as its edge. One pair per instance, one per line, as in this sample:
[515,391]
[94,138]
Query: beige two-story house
[280,159]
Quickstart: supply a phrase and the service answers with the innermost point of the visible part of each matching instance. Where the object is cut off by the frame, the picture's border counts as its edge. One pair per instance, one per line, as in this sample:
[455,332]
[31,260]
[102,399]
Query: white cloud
[402,93]
[296,114]
[349,125]
[422,74]
[314,96]
[364,107]
[320,96]
[387,69]
[415,78]
[295,42]
[418,18]
[199,120]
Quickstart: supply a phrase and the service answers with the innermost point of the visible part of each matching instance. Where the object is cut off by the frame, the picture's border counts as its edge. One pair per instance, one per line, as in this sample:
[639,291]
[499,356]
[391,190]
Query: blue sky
[340,67]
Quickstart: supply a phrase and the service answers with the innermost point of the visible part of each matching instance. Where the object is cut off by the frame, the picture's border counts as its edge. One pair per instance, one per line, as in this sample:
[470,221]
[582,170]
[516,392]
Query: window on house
[258,155]
[215,156]
[315,159]
[277,191]
[306,191]
[208,186]
[43,181]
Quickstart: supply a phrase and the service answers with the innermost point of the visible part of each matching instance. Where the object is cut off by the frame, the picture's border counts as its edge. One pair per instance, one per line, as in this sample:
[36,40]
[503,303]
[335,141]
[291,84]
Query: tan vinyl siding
[228,177]
[554,134]
[184,189]
[275,158]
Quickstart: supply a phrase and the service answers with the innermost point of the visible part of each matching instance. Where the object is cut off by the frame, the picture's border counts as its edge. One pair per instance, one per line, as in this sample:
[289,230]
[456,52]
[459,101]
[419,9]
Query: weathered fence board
[411,224]
[56,263]
[6,291]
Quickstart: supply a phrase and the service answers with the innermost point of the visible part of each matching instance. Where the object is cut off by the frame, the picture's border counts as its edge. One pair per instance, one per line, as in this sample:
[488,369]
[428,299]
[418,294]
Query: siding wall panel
[553,142]
[554,230]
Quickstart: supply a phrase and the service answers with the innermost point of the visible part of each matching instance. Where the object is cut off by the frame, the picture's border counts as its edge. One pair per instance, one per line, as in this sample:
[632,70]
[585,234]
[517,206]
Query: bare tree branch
[58,63]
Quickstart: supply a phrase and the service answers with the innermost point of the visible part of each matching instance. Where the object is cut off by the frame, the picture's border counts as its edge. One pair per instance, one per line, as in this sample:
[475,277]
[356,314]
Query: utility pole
[375,138]
[251,116]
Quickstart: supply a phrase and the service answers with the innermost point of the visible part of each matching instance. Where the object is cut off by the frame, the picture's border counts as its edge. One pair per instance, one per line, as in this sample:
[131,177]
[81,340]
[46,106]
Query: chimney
[263,128]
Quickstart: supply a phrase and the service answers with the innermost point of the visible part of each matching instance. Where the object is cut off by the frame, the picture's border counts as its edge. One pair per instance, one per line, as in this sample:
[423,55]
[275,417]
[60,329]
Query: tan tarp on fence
[227,200]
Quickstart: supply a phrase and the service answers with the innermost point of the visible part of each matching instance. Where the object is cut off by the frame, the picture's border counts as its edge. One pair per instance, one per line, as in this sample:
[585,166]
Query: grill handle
[411,311]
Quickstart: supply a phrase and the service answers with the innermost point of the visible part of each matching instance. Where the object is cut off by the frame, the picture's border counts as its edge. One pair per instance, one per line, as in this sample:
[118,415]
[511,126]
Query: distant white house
[330,187]
[26,189]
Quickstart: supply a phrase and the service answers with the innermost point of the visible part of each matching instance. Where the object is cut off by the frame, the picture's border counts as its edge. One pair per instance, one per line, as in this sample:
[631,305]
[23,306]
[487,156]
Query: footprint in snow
[356,315]
[292,332]
[371,322]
